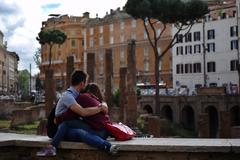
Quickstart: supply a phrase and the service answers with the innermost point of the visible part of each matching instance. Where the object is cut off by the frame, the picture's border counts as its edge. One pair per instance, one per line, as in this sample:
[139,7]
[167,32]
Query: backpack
[51,126]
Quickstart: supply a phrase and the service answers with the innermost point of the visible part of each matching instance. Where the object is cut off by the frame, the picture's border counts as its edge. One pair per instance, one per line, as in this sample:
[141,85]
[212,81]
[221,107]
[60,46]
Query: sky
[20,21]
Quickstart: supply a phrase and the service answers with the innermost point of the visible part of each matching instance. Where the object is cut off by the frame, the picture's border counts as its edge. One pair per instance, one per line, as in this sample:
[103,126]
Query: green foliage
[179,131]
[4,123]
[51,36]
[37,57]
[167,11]
[23,80]
[30,128]
[116,96]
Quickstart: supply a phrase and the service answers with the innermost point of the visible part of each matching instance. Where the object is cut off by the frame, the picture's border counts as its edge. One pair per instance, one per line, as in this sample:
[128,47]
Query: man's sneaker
[114,149]
[47,151]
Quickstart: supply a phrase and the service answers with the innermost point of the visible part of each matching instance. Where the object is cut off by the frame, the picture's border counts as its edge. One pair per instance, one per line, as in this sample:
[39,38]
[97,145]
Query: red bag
[120,132]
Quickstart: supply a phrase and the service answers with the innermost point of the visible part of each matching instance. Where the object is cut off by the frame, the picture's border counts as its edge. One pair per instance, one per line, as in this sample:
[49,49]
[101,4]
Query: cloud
[20,21]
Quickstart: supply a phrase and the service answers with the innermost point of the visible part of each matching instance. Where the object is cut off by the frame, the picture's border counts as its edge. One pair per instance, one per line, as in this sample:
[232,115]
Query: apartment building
[114,31]
[8,69]
[216,65]
[72,26]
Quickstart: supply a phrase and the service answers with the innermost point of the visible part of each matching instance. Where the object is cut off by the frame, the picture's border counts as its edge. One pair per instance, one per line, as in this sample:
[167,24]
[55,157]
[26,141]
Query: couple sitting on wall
[81,117]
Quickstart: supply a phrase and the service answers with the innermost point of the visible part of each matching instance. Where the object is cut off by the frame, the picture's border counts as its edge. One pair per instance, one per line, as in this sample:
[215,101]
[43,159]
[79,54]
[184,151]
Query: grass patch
[179,131]
[5,124]
[27,128]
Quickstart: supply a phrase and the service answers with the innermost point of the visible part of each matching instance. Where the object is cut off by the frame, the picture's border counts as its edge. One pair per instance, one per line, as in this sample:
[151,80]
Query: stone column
[91,67]
[108,78]
[50,90]
[122,90]
[225,125]
[70,69]
[203,125]
[131,110]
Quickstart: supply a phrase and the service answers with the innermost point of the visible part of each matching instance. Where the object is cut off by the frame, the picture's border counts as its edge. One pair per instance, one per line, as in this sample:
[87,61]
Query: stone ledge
[135,145]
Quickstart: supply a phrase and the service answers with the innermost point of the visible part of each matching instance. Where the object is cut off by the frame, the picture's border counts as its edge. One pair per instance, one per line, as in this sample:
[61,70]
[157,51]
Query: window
[180,50]
[91,42]
[73,43]
[179,68]
[179,38]
[122,25]
[197,68]
[158,32]
[188,37]
[145,35]
[211,67]
[146,66]
[100,29]
[133,35]
[233,65]
[234,44]
[91,31]
[101,40]
[134,23]
[233,31]
[211,34]
[197,48]
[111,27]
[122,57]
[145,52]
[111,39]
[211,47]
[159,50]
[188,49]
[122,37]
[196,36]
[188,68]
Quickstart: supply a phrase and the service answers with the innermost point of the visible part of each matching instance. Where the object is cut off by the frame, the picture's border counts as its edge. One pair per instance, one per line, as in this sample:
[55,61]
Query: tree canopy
[182,13]
[167,11]
[51,37]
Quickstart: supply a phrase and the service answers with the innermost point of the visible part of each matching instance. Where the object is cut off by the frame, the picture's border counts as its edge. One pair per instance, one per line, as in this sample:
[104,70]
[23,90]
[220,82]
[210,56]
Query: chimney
[111,11]
[86,14]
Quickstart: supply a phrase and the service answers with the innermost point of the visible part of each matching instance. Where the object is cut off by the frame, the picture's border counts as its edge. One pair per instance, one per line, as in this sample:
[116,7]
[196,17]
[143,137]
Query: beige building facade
[8,69]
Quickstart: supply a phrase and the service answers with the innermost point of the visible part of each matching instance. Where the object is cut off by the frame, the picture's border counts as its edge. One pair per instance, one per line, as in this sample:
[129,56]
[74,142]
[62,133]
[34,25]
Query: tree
[51,37]
[37,57]
[181,13]
[24,82]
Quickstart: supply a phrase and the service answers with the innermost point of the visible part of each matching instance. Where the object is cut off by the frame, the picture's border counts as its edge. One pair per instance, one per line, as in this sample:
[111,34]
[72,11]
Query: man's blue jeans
[77,130]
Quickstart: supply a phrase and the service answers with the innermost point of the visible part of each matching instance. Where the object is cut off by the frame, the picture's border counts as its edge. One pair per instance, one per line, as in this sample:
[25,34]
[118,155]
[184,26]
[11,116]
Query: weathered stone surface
[235,132]
[24,147]
[27,115]
[157,127]
[203,125]
[122,97]
[225,125]
[70,69]
[131,108]
[108,78]
[91,67]
[50,90]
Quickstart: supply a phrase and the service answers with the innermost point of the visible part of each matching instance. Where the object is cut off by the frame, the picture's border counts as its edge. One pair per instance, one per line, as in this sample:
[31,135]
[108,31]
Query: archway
[188,119]
[167,113]
[148,109]
[213,121]
[235,116]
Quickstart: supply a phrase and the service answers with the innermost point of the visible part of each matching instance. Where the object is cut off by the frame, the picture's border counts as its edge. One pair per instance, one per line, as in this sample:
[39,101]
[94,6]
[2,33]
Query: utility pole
[30,79]
[204,56]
